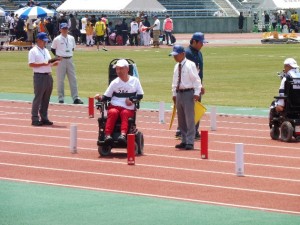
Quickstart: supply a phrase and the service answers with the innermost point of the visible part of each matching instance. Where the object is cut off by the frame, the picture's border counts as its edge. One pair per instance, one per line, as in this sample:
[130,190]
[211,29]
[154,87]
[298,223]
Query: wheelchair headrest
[112,71]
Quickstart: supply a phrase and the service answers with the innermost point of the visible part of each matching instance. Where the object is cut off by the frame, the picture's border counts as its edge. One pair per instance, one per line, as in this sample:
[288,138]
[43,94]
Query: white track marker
[213,118]
[239,159]
[161,112]
[73,138]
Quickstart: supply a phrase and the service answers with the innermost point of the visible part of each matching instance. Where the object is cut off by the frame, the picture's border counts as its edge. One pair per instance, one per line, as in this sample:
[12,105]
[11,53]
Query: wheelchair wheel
[104,150]
[139,139]
[275,133]
[136,148]
[287,131]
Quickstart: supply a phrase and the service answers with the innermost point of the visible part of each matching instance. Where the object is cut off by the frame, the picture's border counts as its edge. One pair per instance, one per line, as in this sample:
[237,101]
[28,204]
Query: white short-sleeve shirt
[38,55]
[118,86]
[64,46]
[157,23]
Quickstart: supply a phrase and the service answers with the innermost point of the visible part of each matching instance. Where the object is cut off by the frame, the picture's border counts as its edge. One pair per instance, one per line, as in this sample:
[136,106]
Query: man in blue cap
[63,47]
[39,60]
[193,53]
[186,87]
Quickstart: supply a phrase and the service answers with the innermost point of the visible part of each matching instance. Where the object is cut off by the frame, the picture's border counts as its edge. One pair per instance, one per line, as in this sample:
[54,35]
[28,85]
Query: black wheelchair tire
[136,148]
[286,131]
[139,139]
[275,133]
[104,150]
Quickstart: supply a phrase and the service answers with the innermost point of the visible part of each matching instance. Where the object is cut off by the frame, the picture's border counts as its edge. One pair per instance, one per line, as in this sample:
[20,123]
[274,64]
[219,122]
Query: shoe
[197,136]
[47,122]
[108,139]
[104,49]
[122,139]
[36,123]
[178,134]
[77,101]
[189,147]
[61,101]
[181,145]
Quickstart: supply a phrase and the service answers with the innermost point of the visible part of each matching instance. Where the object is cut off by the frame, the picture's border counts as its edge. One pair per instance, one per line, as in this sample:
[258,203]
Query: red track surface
[42,155]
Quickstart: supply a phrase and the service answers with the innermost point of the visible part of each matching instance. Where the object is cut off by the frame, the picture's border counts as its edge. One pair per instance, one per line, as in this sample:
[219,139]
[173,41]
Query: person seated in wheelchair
[121,92]
[291,70]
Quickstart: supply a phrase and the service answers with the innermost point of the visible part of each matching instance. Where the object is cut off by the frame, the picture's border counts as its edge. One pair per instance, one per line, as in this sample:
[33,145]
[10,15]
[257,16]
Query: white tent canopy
[111,6]
[2,12]
[279,4]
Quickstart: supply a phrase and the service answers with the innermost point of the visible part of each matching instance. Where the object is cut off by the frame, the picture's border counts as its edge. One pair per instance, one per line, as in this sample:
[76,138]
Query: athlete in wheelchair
[284,117]
[121,100]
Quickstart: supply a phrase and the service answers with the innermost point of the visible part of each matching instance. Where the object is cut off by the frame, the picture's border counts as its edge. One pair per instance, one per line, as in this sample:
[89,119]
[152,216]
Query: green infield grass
[233,76]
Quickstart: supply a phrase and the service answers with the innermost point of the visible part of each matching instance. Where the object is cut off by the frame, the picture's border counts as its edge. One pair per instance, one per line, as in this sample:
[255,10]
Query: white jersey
[120,87]
[294,73]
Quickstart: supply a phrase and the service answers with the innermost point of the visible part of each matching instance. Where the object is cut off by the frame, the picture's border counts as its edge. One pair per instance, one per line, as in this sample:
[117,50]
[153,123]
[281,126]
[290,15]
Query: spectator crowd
[93,30]
[279,20]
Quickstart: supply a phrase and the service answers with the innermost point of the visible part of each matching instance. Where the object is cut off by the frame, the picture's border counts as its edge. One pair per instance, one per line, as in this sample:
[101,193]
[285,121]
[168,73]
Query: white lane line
[139,117]
[260,145]
[146,165]
[151,195]
[159,137]
[151,179]
[156,155]
[151,129]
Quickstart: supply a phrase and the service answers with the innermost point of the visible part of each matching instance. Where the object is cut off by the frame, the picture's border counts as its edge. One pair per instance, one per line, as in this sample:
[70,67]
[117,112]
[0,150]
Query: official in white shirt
[186,87]
[39,60]
[63,47]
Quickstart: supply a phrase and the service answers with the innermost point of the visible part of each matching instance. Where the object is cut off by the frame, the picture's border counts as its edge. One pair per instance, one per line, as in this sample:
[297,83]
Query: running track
[42,155]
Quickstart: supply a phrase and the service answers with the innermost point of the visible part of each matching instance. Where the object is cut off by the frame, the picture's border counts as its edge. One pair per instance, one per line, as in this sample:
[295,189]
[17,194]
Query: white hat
[121,63]
[292,62]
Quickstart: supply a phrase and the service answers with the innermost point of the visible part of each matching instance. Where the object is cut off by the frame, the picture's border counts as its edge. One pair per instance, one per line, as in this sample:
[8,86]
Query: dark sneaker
[108,139]
[181,145]
[36,123]
[189,147]
[78,101]
[197,136]
[178,134]
[47,122]
[122,139]
[61,101]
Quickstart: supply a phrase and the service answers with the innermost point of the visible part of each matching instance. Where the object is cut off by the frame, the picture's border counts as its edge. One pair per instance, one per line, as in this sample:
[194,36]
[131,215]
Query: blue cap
[42,36]
[177,49]
[154,15]
[198,36]
[63,25]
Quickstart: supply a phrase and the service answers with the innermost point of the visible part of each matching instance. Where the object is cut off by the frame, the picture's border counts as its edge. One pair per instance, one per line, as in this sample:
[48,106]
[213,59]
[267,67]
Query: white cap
[121,63]
[292,62]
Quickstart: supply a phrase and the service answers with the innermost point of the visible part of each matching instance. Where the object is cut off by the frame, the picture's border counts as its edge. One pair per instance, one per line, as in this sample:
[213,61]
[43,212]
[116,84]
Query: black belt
[185,90]
[42,73]
[66,57]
